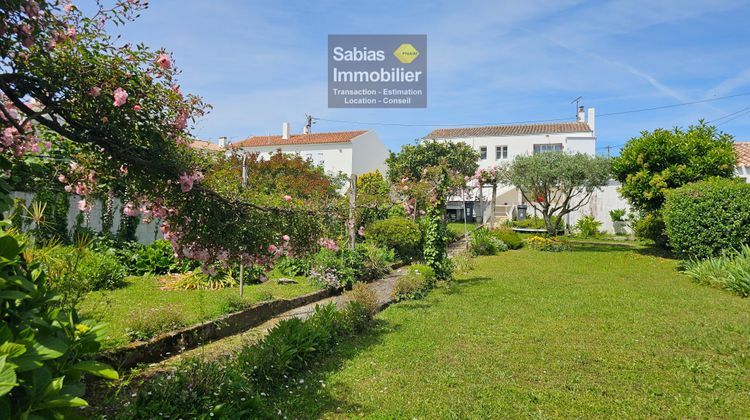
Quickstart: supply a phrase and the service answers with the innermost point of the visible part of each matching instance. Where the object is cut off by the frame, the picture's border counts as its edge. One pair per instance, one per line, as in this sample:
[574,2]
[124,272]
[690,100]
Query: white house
[498,145]
[743,160]
[349,152]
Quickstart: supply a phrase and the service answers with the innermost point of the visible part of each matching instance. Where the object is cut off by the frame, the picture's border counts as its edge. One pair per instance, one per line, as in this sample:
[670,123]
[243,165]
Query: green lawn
[594,332]
[116,307]
[458,227]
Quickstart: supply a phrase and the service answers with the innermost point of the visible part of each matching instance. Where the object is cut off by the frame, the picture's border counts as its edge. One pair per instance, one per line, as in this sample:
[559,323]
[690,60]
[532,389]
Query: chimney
[223,142]
[580,114]
[591,119]
[285,131]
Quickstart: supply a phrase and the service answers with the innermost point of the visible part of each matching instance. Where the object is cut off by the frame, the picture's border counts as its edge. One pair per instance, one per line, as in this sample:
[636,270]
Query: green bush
[415,283]
[197,389]
[535,222]
[375,262]
[650,226]
[483,242]
[706,218]
[398,233]
[157,258]
[512,239]
[291,266]
[617,215]
[42,348]
[145,324]
[730,271]
[101,271]
[588,227]
[333,269]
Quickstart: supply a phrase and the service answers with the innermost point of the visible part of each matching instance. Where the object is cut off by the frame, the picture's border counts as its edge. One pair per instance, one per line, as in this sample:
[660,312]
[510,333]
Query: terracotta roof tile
[743,153]
[313,138]
[510,130]
[205,145]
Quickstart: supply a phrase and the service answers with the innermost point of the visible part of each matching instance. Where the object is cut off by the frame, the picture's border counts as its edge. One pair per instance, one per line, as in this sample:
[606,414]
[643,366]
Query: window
[543,148]
[319,159]
[483,152]
[308,156]
[501,152]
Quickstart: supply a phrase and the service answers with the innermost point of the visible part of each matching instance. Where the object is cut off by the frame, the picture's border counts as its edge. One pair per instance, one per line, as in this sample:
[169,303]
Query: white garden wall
[146,233]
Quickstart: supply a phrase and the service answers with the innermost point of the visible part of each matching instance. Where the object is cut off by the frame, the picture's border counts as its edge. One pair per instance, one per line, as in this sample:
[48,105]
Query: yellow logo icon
[406,53]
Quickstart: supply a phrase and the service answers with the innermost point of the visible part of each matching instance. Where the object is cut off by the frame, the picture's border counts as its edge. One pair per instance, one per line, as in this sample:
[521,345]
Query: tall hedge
[705,218]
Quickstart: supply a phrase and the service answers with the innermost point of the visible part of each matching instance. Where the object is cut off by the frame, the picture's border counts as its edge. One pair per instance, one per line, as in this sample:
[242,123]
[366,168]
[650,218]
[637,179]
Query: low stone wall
[174,342]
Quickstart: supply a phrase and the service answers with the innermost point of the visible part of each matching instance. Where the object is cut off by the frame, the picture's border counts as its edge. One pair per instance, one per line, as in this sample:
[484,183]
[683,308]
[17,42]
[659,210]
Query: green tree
[556,183]
[660,160]
[373,198]
[425,174]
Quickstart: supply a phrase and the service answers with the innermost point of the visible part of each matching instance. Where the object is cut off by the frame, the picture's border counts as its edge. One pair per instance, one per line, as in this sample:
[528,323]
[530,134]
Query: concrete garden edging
[174,342]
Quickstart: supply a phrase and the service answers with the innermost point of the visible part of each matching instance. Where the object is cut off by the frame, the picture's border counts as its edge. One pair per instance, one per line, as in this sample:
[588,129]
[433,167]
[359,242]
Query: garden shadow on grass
[310,395]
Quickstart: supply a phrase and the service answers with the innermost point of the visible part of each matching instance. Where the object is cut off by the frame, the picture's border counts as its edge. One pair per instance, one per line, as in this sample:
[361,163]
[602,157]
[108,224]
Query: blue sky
[260,63]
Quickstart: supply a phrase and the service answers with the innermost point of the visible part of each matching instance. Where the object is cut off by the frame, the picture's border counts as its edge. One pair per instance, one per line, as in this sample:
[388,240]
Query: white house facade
[499,145]
[348,152]
[743,160]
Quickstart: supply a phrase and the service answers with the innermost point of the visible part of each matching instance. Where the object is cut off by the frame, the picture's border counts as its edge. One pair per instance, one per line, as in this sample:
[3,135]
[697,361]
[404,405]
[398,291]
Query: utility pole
[308,124]
[352,211]
[608,154]
[244,184]
[578,103]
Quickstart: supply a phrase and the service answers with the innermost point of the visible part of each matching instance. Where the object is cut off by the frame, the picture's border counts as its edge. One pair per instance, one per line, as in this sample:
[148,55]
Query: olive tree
[556,183]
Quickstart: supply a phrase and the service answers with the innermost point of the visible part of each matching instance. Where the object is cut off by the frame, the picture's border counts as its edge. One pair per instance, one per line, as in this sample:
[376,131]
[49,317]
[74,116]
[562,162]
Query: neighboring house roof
[205,145]
[312,138]
[510,130]
[743,153]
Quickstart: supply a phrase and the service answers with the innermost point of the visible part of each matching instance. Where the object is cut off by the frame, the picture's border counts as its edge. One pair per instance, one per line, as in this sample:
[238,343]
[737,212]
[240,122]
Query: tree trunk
[493,202]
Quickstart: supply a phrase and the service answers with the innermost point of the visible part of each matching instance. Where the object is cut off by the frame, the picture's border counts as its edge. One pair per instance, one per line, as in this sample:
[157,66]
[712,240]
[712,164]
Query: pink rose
[285,238]
[163,61]
[136,108]
[95,91]
[62,178]
[130,210]
[121,96]
[287,198]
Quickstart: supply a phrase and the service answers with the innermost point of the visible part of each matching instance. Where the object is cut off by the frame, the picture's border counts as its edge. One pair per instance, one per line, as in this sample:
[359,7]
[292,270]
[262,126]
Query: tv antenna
[577,102]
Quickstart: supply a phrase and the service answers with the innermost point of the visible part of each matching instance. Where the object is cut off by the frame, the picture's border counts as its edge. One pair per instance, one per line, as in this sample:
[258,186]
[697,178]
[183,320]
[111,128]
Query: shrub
[146,324]
[415,283]
[398,233]
[375,262]
[535,223]
[588,227]
[512,239]
[482,242]
[41,348]
[157,258]
[705,218]
[101,271]
[730,271]
[364,295]
[541,243]
[235,303]
[650,226]
[617,215]
[291,266]
[232,388]
[330,269]
[197,389]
